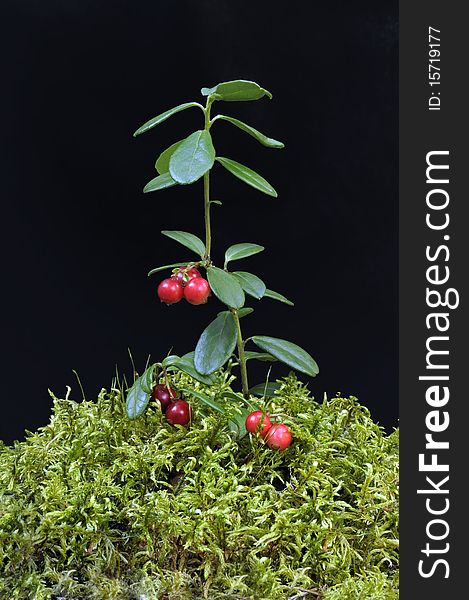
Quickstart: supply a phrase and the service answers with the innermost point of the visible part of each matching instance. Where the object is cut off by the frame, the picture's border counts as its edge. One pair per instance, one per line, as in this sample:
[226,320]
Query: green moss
[96,506]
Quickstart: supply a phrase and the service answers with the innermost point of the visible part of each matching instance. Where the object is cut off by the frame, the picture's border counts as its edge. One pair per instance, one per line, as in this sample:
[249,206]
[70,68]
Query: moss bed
[96,506]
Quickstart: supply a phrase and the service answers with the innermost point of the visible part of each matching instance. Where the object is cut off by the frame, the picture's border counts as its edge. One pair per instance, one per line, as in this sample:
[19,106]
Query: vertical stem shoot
[241,355]
[208,231]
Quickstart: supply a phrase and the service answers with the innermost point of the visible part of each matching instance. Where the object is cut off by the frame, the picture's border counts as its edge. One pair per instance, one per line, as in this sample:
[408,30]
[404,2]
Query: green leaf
[265,389]
[139,394]
[170,360]
[226,287]
[238,90]
[242,312]
[216,202]
[251,284]
[237,423]
[188,240]
[239,398]
[163,116]
[242,251]
[186,365]
[205,399]
[192,158]
[288,353]
[146,379]
[277,296]
[259,356]
[260,137]
[247,175]
[164,267]
[216,344]
[162,162]
[159,183]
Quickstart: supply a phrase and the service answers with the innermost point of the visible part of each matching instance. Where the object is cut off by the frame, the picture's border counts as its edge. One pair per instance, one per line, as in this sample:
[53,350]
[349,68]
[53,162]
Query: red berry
[164,394]
[184,275]
[178,413]
[278,437]
[170,291]
[254,425]
[197,291]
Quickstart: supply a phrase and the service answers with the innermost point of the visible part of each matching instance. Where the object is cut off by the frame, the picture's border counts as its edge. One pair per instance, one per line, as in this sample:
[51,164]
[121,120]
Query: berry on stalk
[197,291]
[165,395]
[258,422]
[170,291]
[278,437]
[178,413]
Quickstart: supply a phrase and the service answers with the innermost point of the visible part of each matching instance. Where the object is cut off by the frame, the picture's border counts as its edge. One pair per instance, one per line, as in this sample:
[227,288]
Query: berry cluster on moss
[95,505]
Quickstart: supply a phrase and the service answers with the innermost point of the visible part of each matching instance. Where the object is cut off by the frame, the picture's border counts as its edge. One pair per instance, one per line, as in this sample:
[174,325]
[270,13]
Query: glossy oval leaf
[205,399]
[265,389]
[247,175]
[226,287]
[251,284]
[186,365]
[263,356]
[238,90]
[216,344]
[171,266]
[159,183]
[170,360]
[192,158]
[260,137]
[162,162]
[138,396]
[288,353]
[242,312]
[189,240]
[242,251]
[163,116]
[237,423]
[276,296]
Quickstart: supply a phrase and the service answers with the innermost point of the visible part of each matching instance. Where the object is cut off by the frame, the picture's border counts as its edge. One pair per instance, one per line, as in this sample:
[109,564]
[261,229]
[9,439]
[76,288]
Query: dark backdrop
[78,236]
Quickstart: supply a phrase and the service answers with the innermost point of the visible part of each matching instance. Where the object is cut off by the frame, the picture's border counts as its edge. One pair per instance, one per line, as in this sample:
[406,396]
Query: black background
[78,236]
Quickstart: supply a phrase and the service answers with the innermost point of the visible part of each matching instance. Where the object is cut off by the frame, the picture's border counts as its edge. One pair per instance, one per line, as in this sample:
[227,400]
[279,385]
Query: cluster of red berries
[276,435]
[176,411]
[186,282]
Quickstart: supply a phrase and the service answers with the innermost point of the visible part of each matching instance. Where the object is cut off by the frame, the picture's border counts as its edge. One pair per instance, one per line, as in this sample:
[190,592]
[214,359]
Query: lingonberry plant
[183,163]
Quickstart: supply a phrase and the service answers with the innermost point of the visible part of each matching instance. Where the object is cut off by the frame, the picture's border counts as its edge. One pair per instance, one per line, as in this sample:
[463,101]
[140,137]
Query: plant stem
[241,355]
[208,231]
